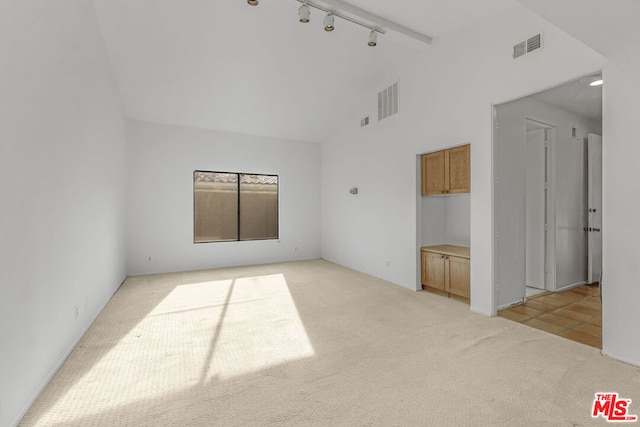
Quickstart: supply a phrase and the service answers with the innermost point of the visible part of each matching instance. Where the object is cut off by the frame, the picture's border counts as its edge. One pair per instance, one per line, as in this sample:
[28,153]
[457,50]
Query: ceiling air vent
[388,102]
[527,46]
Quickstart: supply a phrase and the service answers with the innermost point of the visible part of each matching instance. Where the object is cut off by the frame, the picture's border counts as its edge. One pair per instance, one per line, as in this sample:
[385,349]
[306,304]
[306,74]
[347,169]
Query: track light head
[328,22]
[253,2]
[373,38]
[304,13]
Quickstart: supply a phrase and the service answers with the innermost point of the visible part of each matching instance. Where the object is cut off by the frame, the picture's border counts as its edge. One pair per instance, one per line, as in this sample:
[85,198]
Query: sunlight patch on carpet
[199,333]
[260,328]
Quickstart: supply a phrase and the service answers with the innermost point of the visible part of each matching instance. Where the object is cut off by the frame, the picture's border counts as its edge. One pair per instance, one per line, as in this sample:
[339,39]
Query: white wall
[446,94]
[434,220]
[445,220]
[567,176]
[161,163]
[62,181]
[458,219]
[621,213]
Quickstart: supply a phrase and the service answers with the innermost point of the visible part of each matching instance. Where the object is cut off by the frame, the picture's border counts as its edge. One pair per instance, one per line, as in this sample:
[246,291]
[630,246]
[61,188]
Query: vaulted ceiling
[229,66]
[225,65]
[608,26]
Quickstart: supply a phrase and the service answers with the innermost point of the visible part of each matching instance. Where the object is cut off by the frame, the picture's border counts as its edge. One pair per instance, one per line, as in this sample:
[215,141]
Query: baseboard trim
[621,359]
[481,312]
[509,305]
[571,286]
[58,365]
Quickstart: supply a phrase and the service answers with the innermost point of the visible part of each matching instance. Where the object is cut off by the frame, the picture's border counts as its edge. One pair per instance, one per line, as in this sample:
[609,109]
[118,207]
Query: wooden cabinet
[433,173]
[458,277]
[445,270]
[433,270]
[447,171]
[458,174]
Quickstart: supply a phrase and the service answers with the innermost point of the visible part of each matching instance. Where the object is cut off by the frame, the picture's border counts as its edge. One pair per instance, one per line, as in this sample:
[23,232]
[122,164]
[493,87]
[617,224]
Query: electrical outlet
[76,311]
[295,248]
[387,264]
[148,259]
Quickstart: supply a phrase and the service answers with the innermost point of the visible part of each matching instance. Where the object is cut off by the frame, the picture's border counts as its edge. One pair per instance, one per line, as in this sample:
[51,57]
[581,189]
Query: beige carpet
[315,344]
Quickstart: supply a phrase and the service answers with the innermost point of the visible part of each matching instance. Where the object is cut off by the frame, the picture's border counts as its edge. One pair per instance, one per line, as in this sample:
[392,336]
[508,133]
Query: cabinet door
[458,171]
[433,173]
[434,274]
[458,277]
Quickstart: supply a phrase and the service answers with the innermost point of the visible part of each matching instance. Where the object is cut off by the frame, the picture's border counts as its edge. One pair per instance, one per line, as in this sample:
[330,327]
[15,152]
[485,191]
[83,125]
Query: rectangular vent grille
[519,50]
[388,102]
[527,46]
[534,43]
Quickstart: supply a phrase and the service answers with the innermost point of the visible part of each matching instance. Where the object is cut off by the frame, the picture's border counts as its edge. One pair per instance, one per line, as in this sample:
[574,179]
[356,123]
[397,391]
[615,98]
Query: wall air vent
[534,43]
[388,102]
[529,45]
[519,50]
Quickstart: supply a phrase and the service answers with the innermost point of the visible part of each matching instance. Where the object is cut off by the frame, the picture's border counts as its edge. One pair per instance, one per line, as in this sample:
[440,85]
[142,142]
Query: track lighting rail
[342,16]
[350,13]
[380,22]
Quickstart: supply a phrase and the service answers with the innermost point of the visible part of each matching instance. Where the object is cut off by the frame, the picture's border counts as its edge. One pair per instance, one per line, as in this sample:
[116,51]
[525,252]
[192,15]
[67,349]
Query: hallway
[575,314]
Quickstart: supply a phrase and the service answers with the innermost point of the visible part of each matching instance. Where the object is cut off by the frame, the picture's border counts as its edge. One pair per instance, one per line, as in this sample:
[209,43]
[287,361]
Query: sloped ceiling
[225,65]
[434,17]
[607,26]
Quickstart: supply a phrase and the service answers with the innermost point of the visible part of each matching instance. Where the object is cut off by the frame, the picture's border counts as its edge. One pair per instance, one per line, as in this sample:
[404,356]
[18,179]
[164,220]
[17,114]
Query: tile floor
[575,314]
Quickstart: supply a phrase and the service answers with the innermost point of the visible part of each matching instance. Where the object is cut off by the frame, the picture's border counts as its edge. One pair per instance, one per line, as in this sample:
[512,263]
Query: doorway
[542,215]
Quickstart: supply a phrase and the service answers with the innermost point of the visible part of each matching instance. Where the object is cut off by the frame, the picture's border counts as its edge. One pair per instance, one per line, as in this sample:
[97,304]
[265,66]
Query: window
[234,206]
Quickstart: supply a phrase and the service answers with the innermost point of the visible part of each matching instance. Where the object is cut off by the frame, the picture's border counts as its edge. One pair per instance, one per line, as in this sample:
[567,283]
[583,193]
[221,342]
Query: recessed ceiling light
[253,2]
[593,80]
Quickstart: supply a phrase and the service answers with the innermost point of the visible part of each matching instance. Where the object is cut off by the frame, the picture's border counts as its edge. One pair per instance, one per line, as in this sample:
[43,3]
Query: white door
[536,203]
[594,227]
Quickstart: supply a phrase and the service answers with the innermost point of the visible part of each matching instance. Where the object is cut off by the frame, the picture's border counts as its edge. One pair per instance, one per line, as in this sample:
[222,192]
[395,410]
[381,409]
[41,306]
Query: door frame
[549,245]
[494,193]
[590,205]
